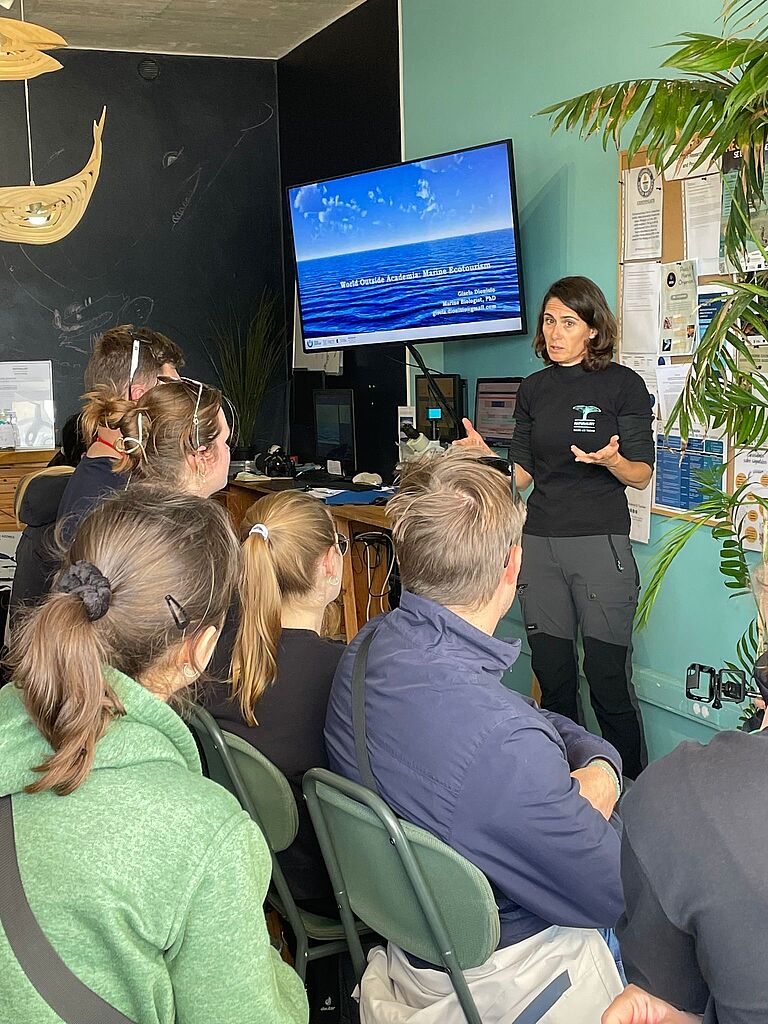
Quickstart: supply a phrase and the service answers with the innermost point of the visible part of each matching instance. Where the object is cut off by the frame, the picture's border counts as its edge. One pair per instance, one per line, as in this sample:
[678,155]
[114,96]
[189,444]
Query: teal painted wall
[476,72]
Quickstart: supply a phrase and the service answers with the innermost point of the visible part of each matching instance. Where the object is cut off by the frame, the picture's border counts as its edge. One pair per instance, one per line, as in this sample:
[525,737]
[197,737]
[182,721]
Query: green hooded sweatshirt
[148,880]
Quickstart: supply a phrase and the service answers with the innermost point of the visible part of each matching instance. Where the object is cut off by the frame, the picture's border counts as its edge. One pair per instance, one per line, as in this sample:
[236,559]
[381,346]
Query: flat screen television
[427,250]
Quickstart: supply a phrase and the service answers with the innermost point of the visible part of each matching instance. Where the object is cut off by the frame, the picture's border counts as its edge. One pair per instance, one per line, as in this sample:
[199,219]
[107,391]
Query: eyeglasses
[342,543]
[507,468]
[195,415]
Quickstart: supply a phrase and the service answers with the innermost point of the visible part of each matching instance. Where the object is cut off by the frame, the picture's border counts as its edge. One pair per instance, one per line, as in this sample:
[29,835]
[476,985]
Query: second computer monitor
[335,428]
[495,399]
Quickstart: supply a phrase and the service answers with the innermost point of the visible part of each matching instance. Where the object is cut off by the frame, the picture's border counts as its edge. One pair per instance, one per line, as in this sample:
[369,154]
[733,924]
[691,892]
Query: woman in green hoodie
[146,878]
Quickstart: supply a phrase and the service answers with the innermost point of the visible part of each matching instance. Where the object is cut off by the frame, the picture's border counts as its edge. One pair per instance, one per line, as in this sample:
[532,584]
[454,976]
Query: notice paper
[643,199]
[750,466]
[678,469]
[670,382]
[711,298]
[755,256]
[679,332]
[685,166]
[639,503]
[26,389]
[702,199]
[640,308]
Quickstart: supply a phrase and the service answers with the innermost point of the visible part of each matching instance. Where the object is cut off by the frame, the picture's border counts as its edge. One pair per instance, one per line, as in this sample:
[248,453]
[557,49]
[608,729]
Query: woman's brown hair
[159,430]
[584,298]
[166,567]
[282,565]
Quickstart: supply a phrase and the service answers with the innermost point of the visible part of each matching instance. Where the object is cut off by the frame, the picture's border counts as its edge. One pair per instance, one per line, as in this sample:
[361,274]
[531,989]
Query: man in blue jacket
[524,794]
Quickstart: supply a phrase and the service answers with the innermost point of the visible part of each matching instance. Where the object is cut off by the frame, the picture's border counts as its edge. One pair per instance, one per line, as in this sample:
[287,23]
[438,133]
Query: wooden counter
[351,520]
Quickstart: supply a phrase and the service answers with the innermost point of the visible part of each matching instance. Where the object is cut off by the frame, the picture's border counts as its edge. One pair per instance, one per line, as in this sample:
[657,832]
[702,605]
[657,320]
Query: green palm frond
[721,100]
[724,388]
[718,511]
[744,15]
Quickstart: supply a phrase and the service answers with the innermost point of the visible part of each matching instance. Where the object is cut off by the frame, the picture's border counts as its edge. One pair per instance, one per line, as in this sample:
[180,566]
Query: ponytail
[103,408]
[289,533]
[254,661]
[64,688]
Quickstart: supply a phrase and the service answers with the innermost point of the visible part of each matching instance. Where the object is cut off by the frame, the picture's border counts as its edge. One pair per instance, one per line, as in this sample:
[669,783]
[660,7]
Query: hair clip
[178,611]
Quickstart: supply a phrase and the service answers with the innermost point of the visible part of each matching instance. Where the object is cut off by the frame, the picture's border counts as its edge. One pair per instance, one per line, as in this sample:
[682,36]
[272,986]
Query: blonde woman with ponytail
[281,666]
[146,878]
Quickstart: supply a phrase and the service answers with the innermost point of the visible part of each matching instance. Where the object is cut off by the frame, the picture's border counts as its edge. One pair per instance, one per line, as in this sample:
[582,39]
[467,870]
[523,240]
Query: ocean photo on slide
[408,251]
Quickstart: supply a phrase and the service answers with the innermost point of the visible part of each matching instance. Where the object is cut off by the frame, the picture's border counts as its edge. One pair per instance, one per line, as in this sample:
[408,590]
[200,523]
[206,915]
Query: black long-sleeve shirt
[562,406]
[693,871]
[291,714]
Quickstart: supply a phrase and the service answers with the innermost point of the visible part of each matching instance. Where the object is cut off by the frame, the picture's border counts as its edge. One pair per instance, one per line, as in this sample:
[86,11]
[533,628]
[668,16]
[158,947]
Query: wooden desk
[350,520]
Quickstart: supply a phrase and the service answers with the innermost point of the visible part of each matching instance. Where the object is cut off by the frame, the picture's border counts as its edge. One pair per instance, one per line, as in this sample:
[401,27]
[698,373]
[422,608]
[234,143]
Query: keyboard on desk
[317,478]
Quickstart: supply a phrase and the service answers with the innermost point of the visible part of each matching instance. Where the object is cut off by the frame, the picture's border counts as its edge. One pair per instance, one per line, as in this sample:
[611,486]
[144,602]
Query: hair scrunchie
[90,585]
[261,530]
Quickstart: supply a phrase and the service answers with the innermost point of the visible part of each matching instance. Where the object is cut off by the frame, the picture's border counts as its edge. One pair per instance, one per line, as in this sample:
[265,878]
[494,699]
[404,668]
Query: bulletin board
[671,470]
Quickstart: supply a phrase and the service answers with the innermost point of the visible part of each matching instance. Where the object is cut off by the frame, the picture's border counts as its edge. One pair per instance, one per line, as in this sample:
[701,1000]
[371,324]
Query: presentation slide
[422,250]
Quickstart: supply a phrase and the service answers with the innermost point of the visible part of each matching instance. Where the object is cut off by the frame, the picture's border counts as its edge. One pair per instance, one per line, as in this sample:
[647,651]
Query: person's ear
[328,561]
[198,650]
[512,570]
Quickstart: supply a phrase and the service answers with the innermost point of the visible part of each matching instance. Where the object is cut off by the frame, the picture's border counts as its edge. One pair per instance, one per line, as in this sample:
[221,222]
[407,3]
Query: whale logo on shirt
[583,424]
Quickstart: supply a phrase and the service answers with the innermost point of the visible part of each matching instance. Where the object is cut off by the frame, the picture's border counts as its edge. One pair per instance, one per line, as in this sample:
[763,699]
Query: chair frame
[421,890]
[287,904]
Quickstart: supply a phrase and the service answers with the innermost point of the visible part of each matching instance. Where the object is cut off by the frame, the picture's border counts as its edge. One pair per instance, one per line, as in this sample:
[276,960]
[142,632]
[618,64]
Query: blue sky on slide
[459,194]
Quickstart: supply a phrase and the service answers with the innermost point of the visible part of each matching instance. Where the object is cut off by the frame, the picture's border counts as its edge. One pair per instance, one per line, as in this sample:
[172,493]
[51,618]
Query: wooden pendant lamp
[39,214]
[22,47]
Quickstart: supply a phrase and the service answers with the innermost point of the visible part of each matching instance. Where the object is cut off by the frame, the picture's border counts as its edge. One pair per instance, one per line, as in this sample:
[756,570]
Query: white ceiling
[228,28]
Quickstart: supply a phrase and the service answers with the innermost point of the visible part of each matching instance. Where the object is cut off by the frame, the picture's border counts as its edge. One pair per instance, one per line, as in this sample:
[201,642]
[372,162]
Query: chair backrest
[52,472]
[402,881]
[261,788]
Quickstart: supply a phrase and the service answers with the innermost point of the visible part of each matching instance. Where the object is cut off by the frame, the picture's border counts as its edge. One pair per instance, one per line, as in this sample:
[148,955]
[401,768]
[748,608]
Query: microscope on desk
[413,444]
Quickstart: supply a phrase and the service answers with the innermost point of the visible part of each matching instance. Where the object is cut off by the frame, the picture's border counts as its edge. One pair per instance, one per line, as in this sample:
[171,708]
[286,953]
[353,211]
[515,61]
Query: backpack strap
[63,991]
[358,712]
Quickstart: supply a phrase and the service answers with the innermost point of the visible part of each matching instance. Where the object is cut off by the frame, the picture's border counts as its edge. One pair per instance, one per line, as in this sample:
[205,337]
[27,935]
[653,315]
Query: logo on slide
[583,424]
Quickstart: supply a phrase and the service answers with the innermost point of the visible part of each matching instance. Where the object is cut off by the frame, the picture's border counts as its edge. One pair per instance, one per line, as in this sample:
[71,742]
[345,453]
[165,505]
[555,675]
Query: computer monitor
[495,399]
[431,418]
[335,428]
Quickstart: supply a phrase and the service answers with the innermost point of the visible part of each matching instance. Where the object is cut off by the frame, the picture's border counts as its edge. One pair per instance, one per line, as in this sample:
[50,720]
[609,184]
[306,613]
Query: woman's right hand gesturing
[473,439]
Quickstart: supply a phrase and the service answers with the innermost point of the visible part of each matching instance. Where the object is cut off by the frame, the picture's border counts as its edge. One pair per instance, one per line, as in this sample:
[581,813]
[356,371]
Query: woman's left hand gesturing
[608,456]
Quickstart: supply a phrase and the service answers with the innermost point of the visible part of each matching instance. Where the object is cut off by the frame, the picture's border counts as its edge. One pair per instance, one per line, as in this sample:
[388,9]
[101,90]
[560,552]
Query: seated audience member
[176,434]
[282,668]
[146,878]
[73,446]
[696,903]
[523,793]
[37,501]
[125,363]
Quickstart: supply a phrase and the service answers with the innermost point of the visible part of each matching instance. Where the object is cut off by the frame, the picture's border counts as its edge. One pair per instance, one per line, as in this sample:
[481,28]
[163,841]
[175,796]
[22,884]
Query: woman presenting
[582,434]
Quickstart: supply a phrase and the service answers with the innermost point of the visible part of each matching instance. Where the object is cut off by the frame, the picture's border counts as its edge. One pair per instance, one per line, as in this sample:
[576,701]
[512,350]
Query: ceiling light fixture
[21,49]
[39,214]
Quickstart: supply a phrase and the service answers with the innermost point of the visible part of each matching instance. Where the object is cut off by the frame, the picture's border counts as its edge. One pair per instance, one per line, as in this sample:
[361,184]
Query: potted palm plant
[245,352]
[717,99]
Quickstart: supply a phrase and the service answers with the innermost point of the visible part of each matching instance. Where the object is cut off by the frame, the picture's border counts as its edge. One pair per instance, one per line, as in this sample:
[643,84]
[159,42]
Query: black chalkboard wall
[184,223]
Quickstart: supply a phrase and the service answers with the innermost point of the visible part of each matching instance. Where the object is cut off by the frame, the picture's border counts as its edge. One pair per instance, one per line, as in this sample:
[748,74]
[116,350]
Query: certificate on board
[643,200]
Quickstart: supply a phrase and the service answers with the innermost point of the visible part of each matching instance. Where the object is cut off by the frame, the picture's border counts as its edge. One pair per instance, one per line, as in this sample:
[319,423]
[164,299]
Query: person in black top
[125,363]
[582,435]
[695,827]
[281,666]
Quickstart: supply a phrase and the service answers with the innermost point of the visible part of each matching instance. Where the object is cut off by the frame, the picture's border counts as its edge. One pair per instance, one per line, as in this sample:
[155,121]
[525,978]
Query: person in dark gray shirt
[694,885]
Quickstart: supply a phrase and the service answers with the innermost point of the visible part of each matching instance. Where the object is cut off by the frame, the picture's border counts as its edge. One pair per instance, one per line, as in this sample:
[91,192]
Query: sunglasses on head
[196,414]
[508,469]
